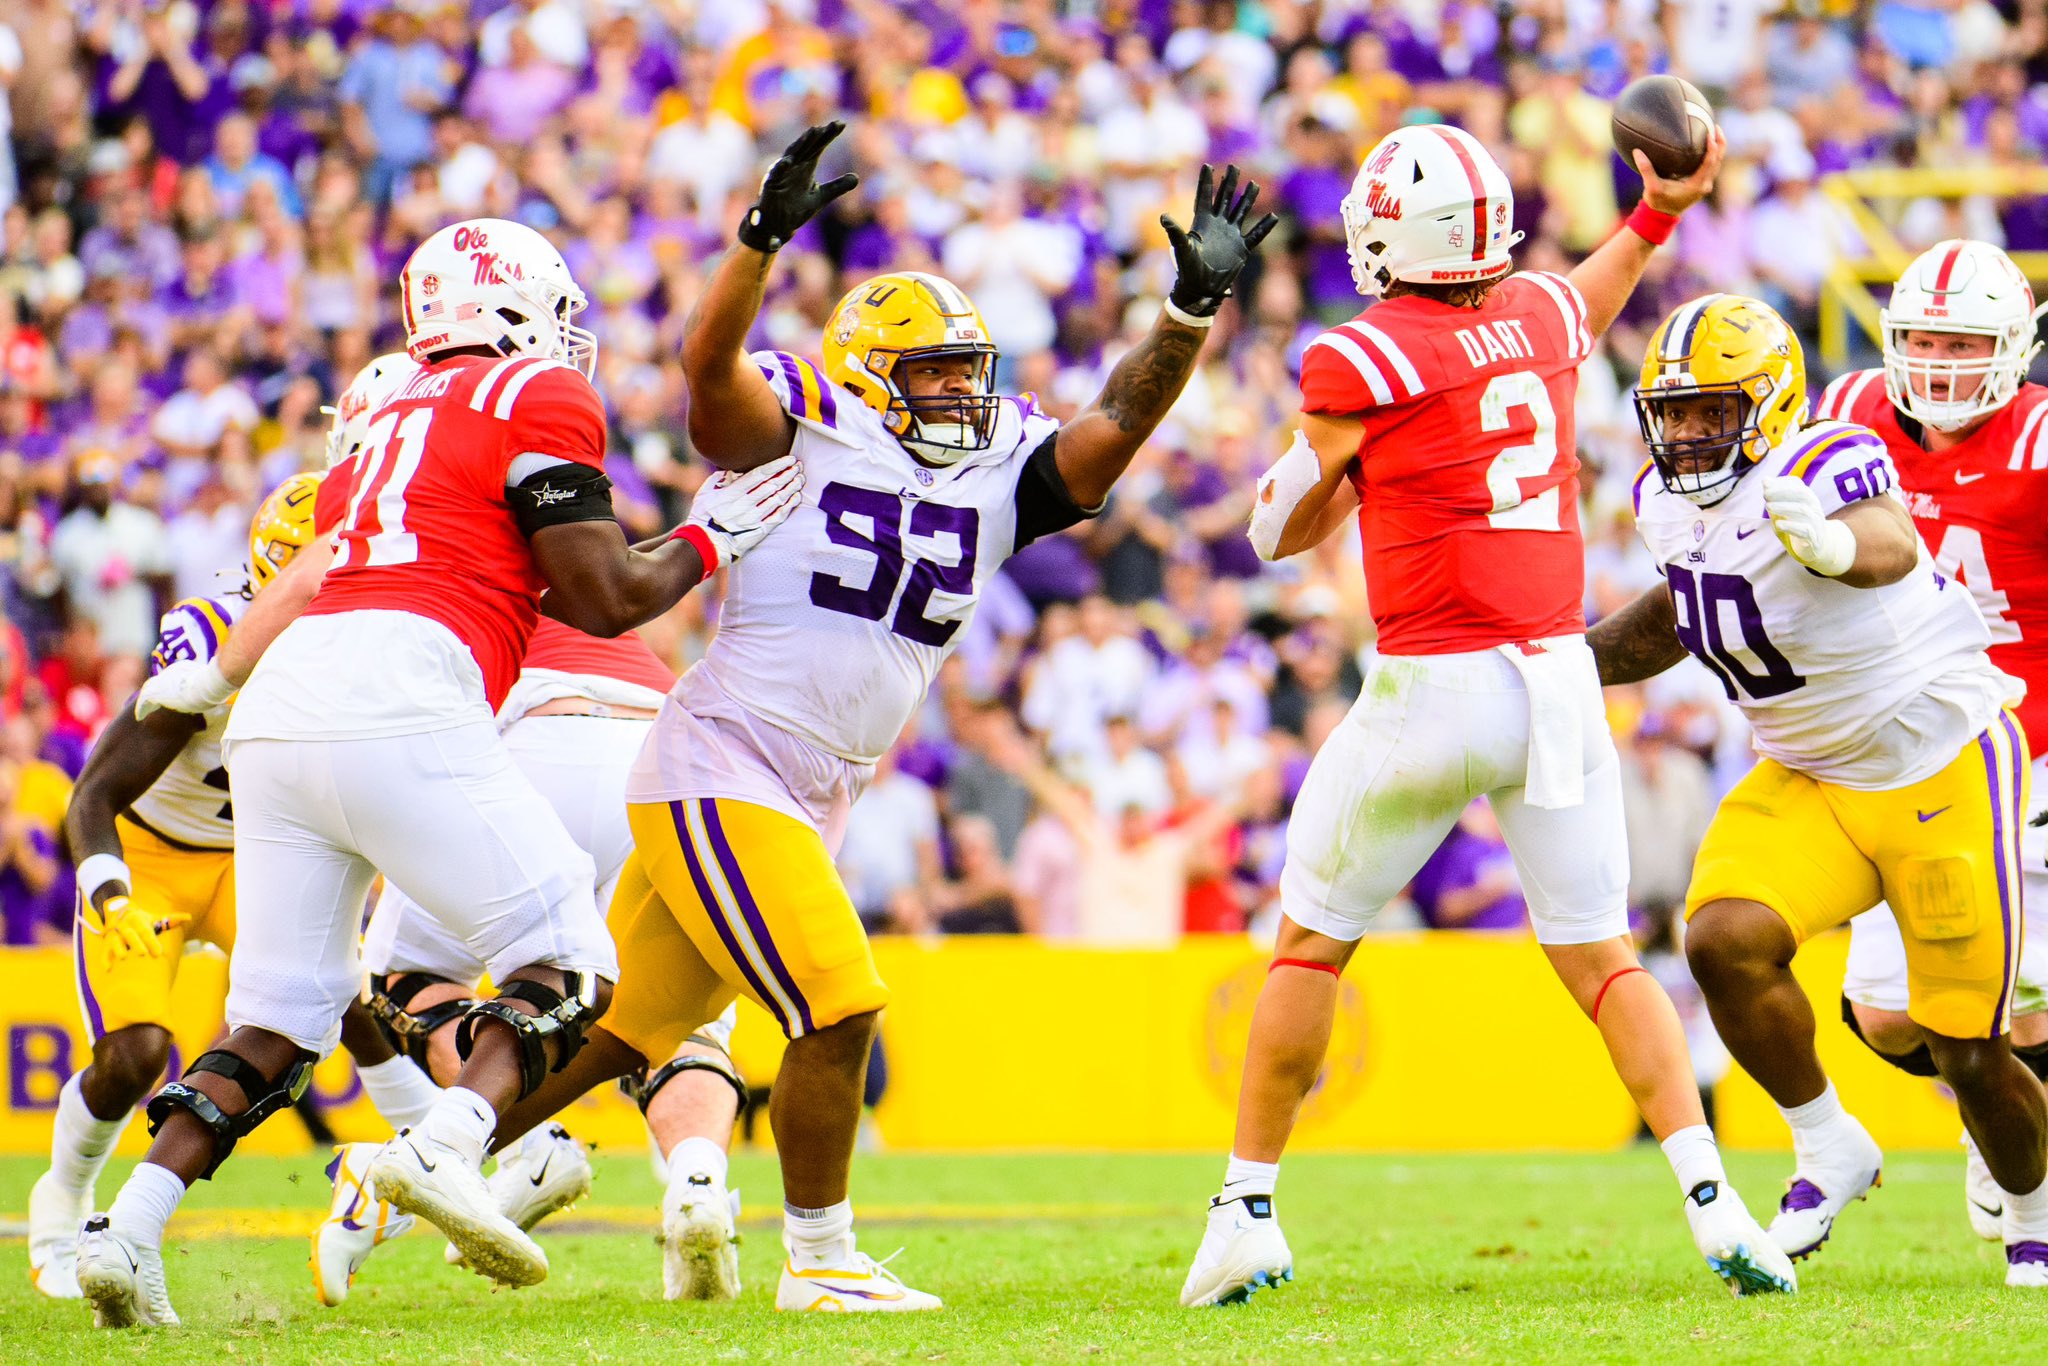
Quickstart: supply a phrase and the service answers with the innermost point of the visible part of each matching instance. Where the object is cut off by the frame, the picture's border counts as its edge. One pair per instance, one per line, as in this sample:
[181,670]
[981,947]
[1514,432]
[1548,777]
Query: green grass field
[1541,1258]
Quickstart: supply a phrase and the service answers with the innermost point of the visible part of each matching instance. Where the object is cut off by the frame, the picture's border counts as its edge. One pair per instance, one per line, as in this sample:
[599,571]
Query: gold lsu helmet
[1737,350]
[883,323]
[283,526]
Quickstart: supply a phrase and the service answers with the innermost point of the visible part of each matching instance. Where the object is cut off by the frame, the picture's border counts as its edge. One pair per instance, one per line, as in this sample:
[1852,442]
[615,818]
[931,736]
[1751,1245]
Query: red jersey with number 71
[1982,508]
[1468,473]
[426,527]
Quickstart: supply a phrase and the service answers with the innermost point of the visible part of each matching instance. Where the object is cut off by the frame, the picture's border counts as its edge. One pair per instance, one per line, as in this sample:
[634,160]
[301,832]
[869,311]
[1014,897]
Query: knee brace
[563,1016]
[408,1031]
[265,1098]
[1918,1063]
[641,1087]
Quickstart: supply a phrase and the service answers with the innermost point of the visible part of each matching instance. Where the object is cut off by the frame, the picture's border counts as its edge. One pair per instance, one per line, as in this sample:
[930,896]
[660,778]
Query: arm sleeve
[1043,504]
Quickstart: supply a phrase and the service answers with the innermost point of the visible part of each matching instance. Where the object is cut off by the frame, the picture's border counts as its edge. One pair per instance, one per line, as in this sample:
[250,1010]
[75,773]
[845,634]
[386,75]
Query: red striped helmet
[1964,287]
[1430,206]
[497,284]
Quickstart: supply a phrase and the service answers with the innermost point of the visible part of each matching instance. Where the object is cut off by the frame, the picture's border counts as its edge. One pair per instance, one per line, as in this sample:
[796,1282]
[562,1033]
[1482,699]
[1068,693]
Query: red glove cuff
[1652,225]
[706,551]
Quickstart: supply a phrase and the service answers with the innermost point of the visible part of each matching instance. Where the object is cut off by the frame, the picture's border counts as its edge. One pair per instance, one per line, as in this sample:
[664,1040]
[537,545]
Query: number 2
[883,512]
[1530,460]
[381,486]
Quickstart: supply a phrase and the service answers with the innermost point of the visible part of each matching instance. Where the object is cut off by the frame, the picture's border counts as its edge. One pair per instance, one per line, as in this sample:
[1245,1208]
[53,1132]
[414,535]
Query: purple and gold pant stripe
[89,1004]
[734,913]
[2005,766]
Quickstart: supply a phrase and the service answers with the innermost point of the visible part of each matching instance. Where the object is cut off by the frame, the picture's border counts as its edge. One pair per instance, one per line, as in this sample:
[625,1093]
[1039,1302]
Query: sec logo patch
[430,285]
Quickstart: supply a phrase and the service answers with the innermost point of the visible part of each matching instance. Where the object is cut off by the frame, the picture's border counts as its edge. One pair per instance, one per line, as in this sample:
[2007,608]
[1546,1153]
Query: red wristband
[706,551]
[1652,225]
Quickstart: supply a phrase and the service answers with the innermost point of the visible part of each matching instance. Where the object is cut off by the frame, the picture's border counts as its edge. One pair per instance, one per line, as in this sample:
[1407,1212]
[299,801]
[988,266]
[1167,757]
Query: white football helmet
[1959,286]
[372,388]
[493,283]
[1430,206]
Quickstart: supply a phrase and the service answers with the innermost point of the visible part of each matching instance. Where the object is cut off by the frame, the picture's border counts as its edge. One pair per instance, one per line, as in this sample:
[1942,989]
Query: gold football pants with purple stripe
[1945,852]
[723,898]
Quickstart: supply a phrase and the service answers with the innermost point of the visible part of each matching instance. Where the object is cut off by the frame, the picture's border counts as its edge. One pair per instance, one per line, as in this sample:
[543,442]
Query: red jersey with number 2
[1982,508]
[1468,474]
[426,527]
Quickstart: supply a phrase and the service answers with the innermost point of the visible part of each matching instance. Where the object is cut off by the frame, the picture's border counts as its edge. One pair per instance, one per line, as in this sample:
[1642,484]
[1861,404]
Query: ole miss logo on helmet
[1381,202]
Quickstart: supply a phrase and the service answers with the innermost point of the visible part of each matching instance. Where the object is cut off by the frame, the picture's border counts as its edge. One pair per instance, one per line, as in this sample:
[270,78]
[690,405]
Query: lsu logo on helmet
[283,526]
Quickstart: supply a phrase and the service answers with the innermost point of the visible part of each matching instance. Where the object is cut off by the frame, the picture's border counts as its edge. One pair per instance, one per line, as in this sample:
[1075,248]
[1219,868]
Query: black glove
[1206,260]
[790,193]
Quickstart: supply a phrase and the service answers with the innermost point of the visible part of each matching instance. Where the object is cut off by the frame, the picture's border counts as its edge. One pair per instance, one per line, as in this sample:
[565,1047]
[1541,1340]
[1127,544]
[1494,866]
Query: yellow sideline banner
[1446,1042]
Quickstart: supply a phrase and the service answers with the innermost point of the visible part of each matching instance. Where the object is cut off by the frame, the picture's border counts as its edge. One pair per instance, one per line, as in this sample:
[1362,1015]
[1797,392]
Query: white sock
[1694,1157]
[694,1155]
[82,1140]
[463,1120]
[1815,1123]
[146,1203]
[401,1092]
[2026,1216]
[818,1237]
[1244,1177]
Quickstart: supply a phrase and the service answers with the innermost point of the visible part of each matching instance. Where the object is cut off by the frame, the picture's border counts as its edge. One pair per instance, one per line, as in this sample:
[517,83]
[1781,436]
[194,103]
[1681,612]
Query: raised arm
[735,420]
[1607,277]
[1639,641]
[1096,447]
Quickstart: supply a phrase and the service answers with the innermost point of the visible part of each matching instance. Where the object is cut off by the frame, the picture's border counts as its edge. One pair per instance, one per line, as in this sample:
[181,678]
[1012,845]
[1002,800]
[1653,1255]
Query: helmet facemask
[548,332]
[1909,380]
[1704,469]
[940,429]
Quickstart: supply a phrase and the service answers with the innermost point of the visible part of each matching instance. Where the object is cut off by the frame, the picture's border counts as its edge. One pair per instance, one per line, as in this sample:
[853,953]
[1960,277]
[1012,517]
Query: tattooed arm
[1640,641]
[1096,447]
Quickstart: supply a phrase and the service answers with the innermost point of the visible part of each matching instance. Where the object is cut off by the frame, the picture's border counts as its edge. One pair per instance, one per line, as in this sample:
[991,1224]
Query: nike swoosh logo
[1926,816]
[540,1175]
[1993,1210]
[1962,478]
[1746,534]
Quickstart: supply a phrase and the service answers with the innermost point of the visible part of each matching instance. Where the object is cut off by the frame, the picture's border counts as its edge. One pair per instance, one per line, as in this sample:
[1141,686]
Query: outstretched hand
[1209,255]
[1675,196]
[790,193]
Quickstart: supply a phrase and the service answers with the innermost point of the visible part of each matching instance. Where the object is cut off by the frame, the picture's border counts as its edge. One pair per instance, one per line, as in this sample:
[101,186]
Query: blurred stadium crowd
[206,201]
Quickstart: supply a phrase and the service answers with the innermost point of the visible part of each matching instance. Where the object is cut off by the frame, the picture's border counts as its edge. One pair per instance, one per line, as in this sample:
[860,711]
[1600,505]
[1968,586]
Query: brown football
[1669,119]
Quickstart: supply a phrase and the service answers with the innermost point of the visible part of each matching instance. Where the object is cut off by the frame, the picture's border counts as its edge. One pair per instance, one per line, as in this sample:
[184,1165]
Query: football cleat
[700,1245]
[356,1222]
[123,1280]
[863,1286]
[544,1172]
[1818,1193]
[2026,1264]
[1982,1198]
[432,1180]
[1735,1245]
[1242,1253]
[53,1220]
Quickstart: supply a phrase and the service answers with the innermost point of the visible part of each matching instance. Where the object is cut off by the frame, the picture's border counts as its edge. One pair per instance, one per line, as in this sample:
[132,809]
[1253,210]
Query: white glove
[1821,544]
[1280,492]
[737,509]
[192,686]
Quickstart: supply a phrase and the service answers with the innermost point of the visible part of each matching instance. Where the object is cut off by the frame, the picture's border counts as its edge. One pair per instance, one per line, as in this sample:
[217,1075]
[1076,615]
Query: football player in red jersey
[1442,418]
[1969,436]
[363,742]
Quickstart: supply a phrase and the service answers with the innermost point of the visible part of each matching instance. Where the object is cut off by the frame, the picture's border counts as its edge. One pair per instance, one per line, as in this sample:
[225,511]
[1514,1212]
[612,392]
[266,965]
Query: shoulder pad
[1846,393]
[192,630]
[1356,366]
[529,382]
[1816,445]
[805,394]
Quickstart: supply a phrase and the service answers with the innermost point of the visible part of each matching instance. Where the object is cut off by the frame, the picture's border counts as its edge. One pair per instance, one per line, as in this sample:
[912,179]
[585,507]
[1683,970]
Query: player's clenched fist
[736,509]
[1811,537]
[1208,256]
[790,192]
